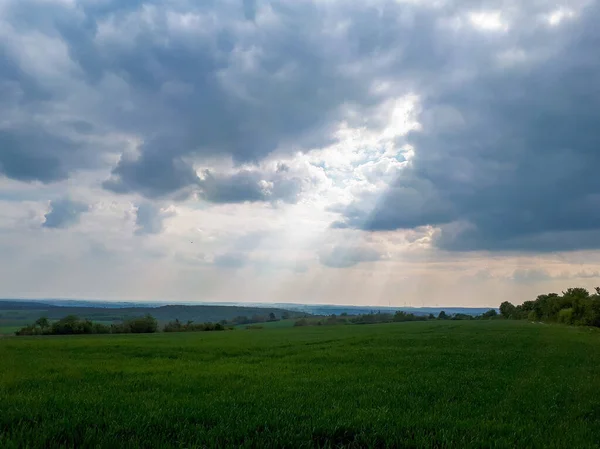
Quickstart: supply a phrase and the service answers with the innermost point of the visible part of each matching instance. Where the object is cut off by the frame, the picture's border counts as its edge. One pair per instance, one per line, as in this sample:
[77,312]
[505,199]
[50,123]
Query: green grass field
[426,384]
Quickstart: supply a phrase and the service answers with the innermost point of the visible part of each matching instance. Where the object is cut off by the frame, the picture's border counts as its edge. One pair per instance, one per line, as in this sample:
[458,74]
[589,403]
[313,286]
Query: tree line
[71,325]
[575,306]
[239,320]
[399,316]
[190,326]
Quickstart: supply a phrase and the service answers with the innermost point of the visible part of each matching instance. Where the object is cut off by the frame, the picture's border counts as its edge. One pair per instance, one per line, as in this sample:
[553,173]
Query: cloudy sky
[382,152]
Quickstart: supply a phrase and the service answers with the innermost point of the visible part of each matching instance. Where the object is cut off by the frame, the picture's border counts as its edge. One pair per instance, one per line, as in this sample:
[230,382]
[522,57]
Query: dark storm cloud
[198,79]
[64,213]
[249,186]
[506,158]
[507,161]
[33,154]
[153,174]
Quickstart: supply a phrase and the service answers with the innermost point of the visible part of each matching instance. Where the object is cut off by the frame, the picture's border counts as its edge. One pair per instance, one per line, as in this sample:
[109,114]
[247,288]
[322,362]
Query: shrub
[71,325]
[565,316]
[144,325]
[119,329]
[177,326]
[99,328]
[301,322]
[29,330]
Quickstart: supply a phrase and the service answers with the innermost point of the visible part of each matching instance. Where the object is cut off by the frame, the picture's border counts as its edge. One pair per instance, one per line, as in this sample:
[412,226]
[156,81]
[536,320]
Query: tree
[442,316]
[577,292]
[42,322]
[69,325]
[272,317]
[574,306]
[144,325]
[490,314]
[507,310]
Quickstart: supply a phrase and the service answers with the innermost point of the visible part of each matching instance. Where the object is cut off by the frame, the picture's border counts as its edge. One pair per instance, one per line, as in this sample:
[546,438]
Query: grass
[426,384]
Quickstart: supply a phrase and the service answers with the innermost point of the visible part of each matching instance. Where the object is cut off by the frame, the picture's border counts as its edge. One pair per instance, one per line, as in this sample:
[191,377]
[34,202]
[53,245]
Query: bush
[254,327]
[71,325]
[565,316]
[119,329]
[301,322]
[29,330]
[144,325]
[177,326]
[99,328]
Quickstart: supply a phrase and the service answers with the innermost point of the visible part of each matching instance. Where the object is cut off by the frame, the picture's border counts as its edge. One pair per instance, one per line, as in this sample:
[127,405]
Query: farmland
[17,314]
[421,384]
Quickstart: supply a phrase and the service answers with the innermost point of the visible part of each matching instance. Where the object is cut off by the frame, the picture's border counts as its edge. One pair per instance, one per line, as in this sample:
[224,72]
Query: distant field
[22,313]
[8,330]
[18,318]
[426,384]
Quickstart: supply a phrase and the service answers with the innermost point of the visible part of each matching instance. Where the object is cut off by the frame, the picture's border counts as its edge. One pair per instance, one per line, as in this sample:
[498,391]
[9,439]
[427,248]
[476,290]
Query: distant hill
[351,310]
[81,303]
[15,312]
[327,309]
[8,304]
[20,313]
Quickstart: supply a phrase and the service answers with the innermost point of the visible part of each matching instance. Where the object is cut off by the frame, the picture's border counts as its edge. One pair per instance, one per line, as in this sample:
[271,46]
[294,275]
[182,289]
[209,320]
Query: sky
[382,152]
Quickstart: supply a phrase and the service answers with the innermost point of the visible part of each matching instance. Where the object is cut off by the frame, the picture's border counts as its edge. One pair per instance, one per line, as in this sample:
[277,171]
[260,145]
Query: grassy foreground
[426,384]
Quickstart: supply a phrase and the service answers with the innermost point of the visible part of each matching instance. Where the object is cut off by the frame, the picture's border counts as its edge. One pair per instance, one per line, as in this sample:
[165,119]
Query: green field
[8,330]
[425,384]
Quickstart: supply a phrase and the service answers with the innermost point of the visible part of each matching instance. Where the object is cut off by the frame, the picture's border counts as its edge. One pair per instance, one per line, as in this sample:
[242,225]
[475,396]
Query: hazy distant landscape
[15,314]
